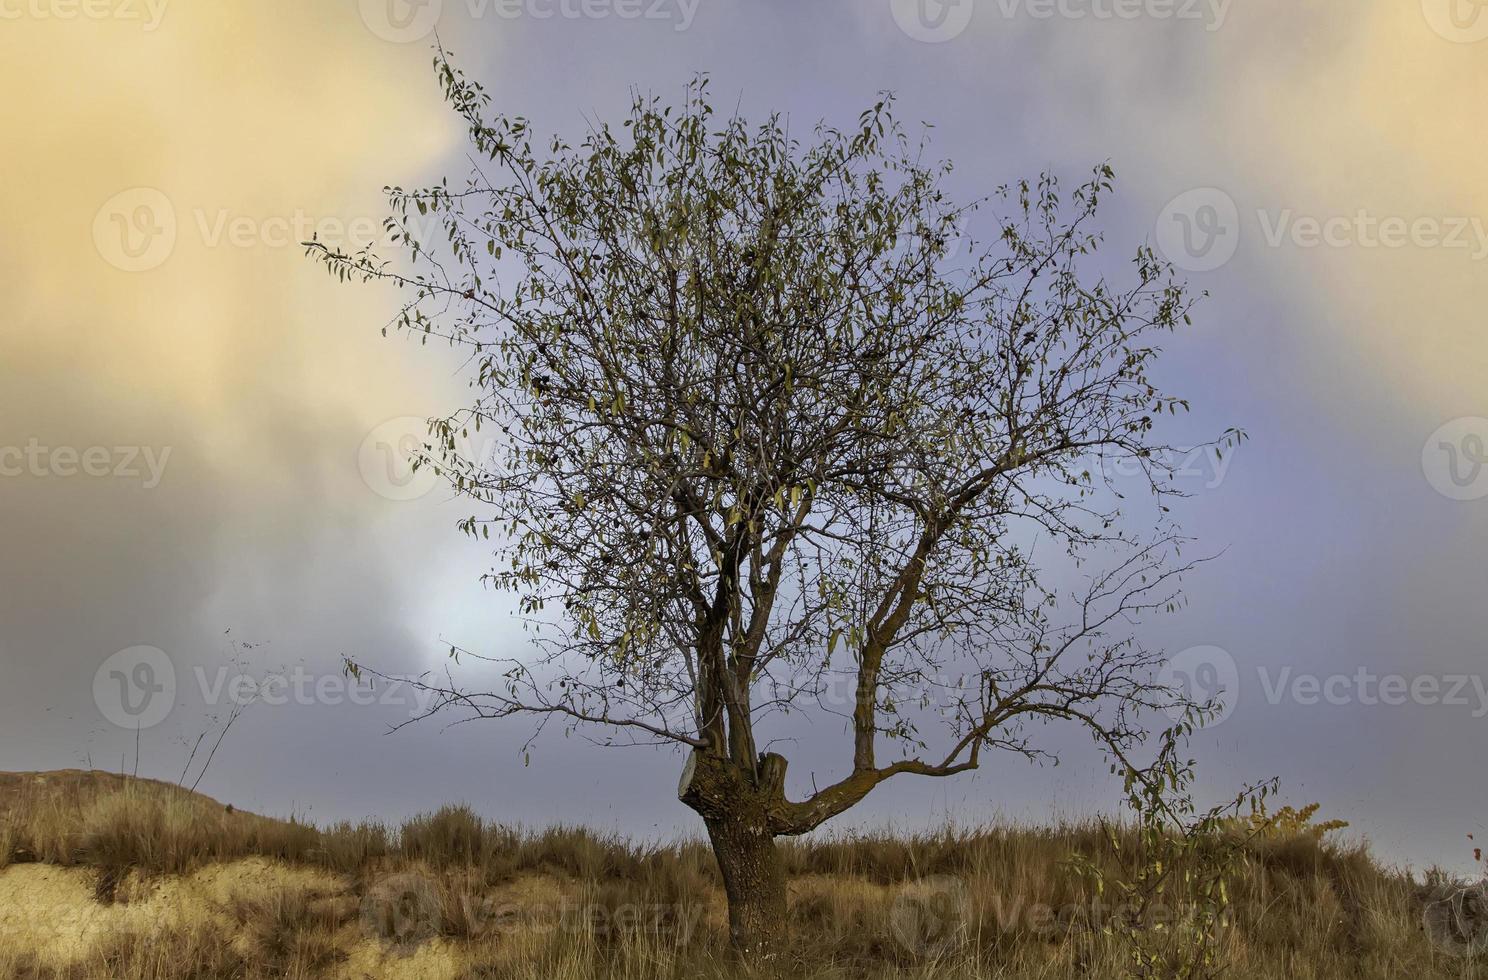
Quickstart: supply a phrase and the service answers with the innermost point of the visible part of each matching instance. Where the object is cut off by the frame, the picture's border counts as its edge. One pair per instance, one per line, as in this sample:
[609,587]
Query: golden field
[105,877]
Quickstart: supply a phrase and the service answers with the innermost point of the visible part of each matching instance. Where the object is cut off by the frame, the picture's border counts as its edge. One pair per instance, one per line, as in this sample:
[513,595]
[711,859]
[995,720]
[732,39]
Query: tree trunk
[735,804]
[754,880]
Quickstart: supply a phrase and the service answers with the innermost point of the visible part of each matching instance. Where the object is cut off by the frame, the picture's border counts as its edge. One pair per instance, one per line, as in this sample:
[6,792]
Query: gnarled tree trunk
[734,805]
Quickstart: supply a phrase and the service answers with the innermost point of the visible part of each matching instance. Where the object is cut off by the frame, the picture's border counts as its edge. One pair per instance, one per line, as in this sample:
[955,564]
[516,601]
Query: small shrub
[195,952]
[348,848]
[453,836]
[292,931]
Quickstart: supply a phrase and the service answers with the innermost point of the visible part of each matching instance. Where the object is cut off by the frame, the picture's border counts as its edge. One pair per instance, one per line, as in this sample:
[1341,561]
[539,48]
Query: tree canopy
[775,436]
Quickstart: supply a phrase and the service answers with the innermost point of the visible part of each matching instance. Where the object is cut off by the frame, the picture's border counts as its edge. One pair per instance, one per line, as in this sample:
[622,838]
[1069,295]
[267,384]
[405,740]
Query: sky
[196,422]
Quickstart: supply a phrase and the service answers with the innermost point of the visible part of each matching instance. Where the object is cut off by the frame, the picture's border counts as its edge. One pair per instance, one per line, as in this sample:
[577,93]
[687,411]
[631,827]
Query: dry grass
[450,896]
[106,820]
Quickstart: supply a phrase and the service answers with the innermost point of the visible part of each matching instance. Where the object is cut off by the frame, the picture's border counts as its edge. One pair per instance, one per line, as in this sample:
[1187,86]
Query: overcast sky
[194,418]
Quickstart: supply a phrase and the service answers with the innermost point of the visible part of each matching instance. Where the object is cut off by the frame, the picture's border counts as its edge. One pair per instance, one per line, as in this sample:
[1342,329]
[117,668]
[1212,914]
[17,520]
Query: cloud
[157,307]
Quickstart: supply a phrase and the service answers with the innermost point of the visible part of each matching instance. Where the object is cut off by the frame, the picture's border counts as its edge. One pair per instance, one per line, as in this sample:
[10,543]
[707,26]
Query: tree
[772,441]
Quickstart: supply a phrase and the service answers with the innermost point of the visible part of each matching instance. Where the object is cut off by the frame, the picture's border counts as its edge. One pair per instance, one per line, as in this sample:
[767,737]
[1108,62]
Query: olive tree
[774,437]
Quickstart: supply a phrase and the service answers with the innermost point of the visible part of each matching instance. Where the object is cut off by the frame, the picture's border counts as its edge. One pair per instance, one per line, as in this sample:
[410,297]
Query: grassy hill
[103,877]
